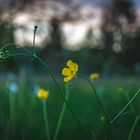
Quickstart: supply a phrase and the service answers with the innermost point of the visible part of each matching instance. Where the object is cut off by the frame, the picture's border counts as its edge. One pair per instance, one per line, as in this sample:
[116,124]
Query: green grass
[22,115]
[28,121]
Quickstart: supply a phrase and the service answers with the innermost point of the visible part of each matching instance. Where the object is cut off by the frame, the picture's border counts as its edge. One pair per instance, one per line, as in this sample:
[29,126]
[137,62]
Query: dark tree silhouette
[54,44]
[117,15]
[119,18]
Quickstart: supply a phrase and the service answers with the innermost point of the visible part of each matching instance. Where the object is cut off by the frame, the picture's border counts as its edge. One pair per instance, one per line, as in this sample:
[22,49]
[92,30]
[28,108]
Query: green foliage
[29,123]
[88,114]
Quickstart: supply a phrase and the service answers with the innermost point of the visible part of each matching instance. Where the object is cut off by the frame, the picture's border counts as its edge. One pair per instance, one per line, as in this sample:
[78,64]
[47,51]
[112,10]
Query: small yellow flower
[43,94]
[70,72]
[103,119]
[95,76]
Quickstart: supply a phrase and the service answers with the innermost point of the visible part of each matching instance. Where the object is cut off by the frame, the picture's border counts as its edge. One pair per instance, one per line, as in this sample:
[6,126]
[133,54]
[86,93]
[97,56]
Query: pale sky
[74,32]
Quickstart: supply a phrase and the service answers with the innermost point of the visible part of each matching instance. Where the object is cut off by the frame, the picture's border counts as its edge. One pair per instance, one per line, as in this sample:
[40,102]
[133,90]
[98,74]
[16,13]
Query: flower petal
[76,67]
[66,79]
[66,71]
[70,64]
[43,94]
[95,76]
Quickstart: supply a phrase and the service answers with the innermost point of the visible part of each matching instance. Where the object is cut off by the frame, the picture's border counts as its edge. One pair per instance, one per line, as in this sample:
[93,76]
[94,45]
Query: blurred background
[101,36]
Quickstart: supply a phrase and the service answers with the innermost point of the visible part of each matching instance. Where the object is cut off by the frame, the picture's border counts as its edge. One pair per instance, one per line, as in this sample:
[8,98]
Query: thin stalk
[60,92]
[18,54]
[100,105]
[12,109]
[30,118]
[22,85]
[61,114]
[96,95]
[62,95]
[53,77]
[133,127]
[13,44]
[118,115]
[46,120]
[35,29]
[131,105]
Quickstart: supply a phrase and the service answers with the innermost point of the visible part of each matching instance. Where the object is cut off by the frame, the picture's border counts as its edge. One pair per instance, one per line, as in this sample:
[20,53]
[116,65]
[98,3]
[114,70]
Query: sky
[74,32]
[98,2]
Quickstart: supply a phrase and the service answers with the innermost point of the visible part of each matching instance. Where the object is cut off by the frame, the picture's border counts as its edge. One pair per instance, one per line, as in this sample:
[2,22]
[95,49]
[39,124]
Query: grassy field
[21,116]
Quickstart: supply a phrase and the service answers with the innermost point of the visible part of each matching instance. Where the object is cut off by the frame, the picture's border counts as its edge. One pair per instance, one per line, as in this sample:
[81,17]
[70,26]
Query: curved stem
[12,110]
[96,95]
[35,29]
[31,119]
[60,92]
[118,115]
[128,99]
[46,120]
[62,95]
[13,44]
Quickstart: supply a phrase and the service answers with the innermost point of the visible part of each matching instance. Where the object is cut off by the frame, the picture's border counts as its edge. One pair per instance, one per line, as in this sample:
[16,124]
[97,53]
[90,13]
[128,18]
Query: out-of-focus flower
[70,72]
[95,76]
[43,94]
[103,119]
[120,90]
[12,87]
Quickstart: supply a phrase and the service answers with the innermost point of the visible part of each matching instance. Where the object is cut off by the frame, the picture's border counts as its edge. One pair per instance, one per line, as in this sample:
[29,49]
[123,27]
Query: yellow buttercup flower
[43,94]
[70,72]
[95,76]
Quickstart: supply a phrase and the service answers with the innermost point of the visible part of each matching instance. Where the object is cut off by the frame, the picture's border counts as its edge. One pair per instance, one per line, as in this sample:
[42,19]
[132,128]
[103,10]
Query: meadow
[22,113]
[67,104]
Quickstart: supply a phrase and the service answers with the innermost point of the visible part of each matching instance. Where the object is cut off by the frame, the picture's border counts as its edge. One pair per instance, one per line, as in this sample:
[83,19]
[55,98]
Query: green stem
[30,118]
[61,114]
[96,95]
[12,109]
[13,112]
[16,45]
[60,92]
[118,115]
[35,29]
[62,95]
[100,105]
[46,120]
[19,54]
[128,99]
[133,127]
